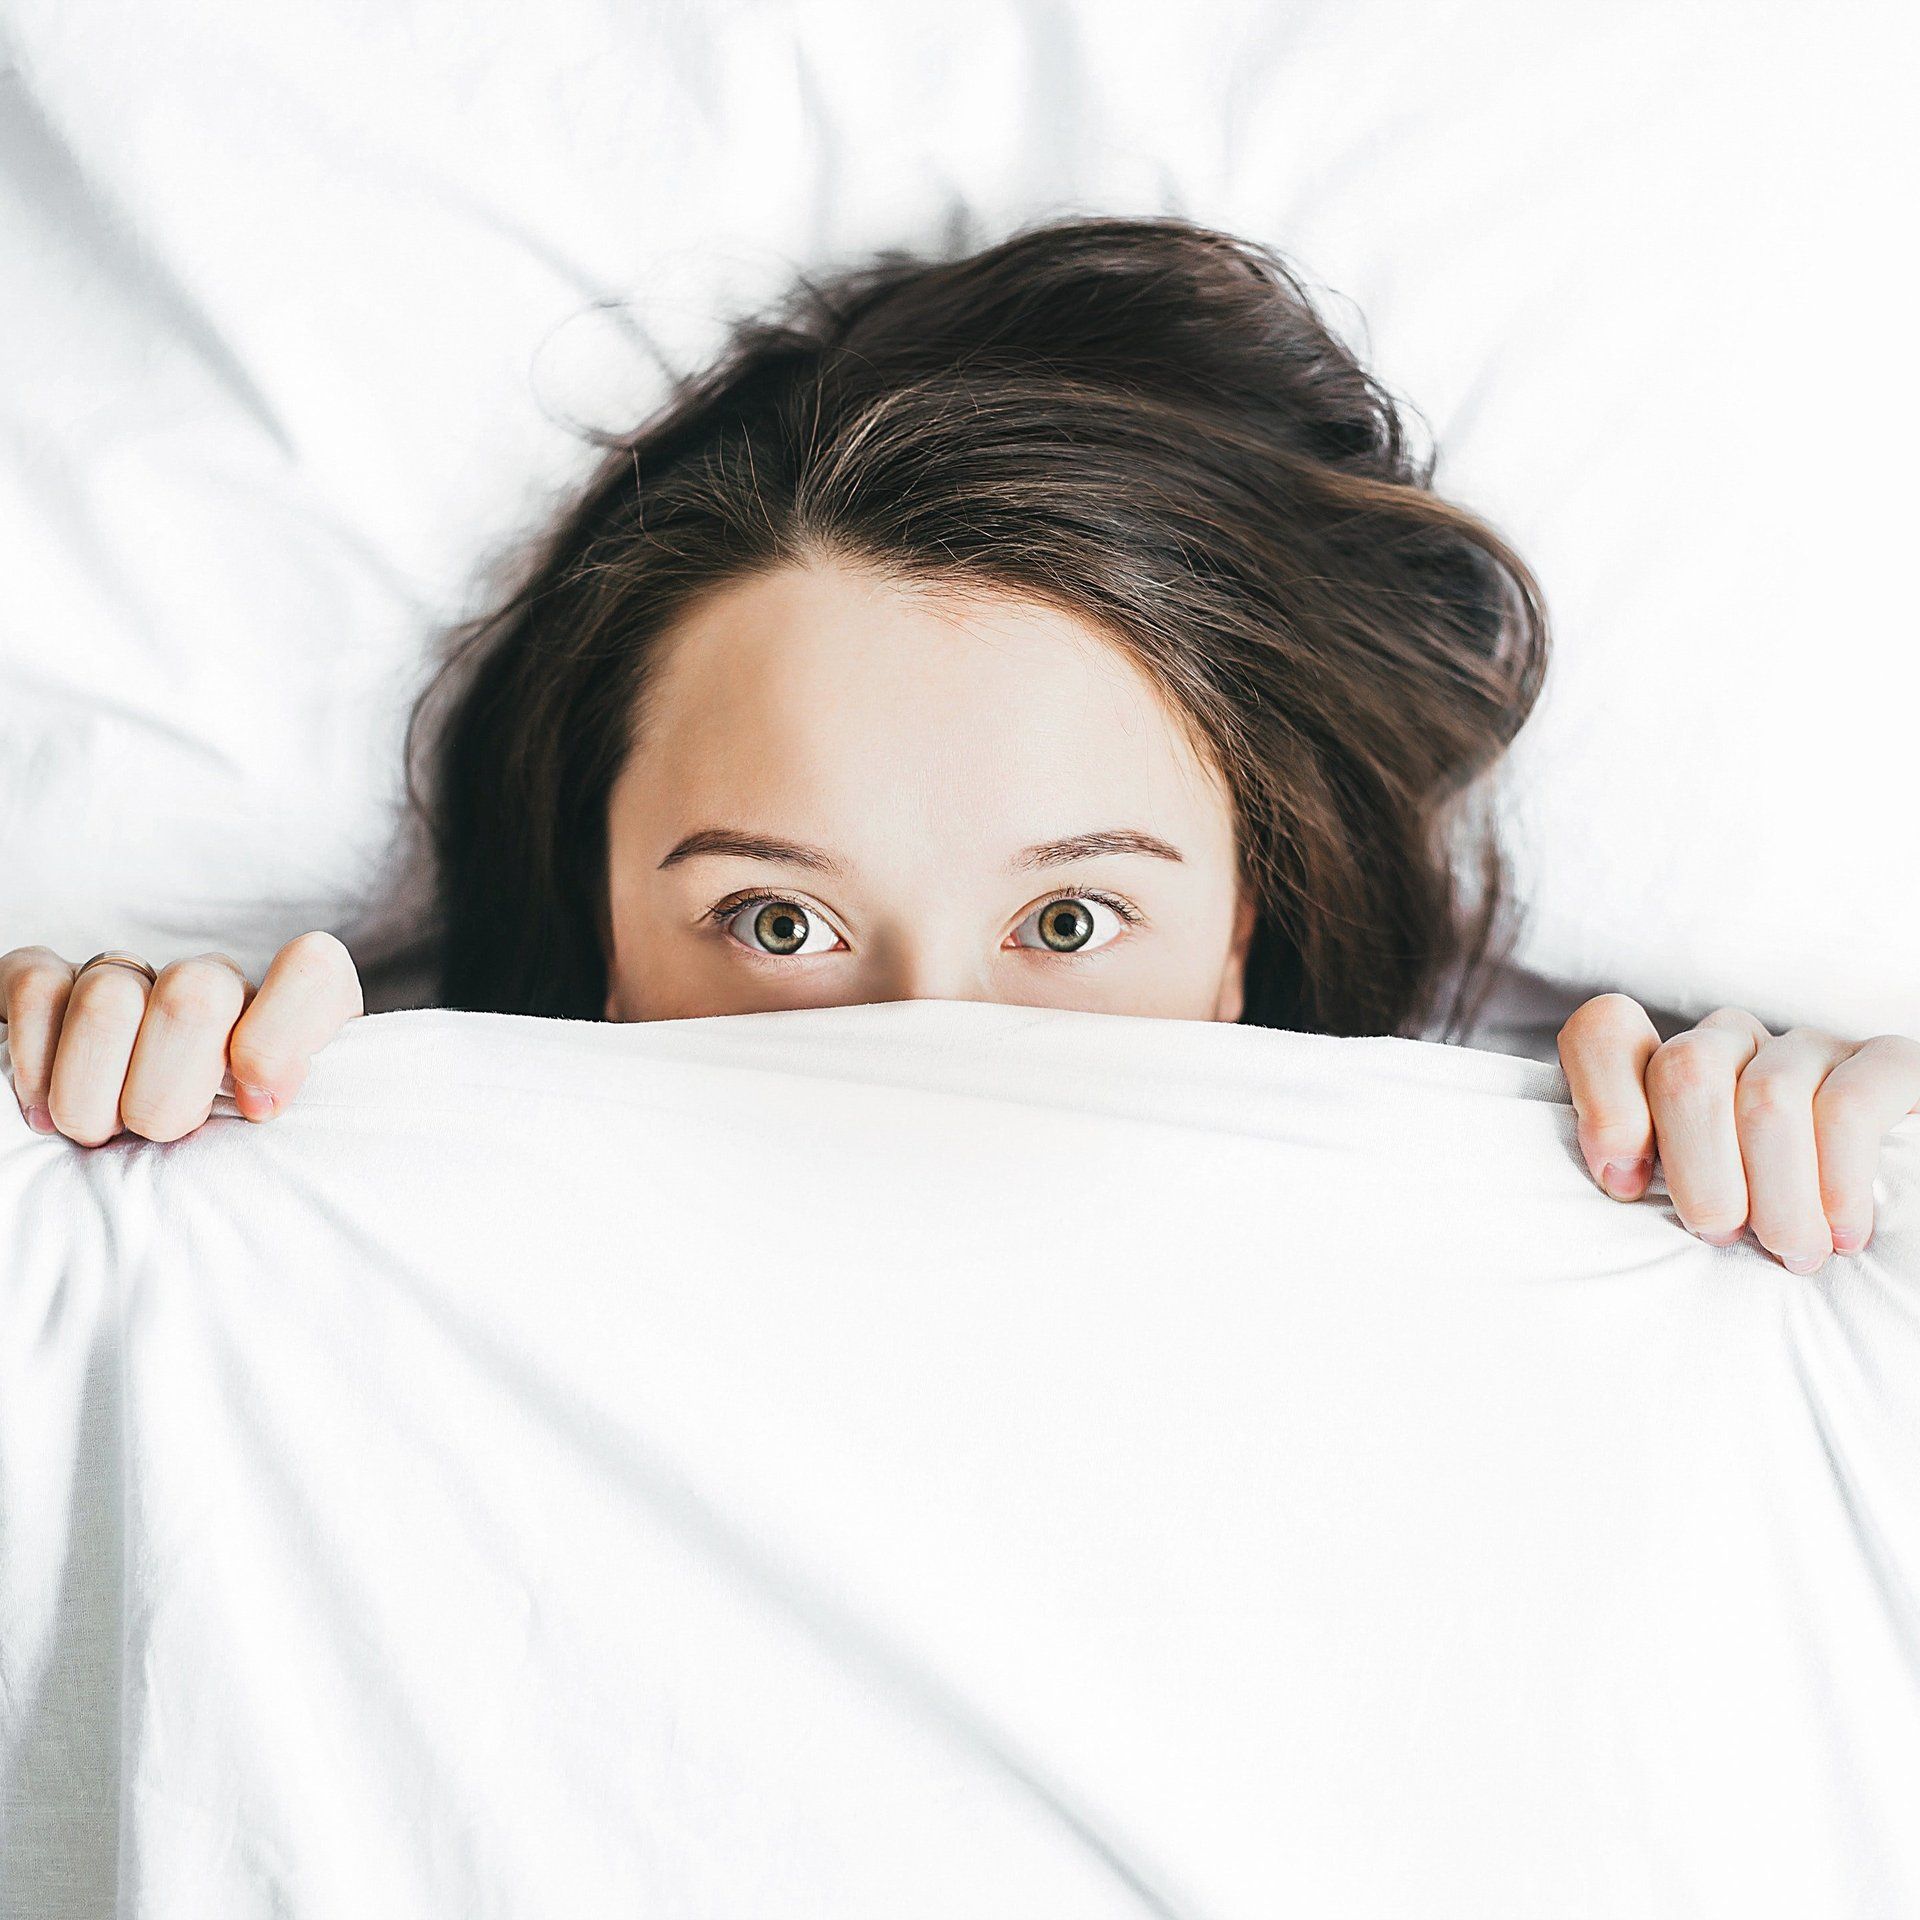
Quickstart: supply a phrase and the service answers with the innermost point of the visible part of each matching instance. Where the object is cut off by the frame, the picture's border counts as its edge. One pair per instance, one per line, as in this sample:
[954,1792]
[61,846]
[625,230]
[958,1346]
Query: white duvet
[940,1458]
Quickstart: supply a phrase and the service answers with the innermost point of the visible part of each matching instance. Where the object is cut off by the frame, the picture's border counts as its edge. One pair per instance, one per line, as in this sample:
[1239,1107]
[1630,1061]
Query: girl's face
[852,791]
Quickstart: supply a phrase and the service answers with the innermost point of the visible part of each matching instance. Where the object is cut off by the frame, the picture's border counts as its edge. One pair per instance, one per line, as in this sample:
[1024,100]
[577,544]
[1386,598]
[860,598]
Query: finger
[1872,1090]
[1690,1087]
[181,1049]
[1604,1050]
[104,1009]
[1773,1111]
[34,984]
[310,991]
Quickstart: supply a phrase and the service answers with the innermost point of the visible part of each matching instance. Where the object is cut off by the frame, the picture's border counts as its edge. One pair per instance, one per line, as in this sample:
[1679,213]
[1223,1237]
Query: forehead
[813,689]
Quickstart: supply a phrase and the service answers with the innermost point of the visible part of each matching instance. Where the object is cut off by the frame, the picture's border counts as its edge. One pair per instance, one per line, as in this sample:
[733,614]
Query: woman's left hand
[1778,1132]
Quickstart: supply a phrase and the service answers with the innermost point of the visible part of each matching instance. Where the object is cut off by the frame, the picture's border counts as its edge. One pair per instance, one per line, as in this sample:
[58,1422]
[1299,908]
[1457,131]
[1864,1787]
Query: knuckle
[21,961]
[38,989]
[318,941]
[1599,1015]
[1813,1040]
[316,956]
[1896,1048]
[1683,1069]
[1844,1106]
[197,994]
[1761,1098]
[108,994]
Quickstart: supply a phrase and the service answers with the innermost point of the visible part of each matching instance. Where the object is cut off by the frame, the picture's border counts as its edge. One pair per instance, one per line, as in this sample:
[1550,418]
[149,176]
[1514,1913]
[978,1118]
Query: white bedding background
[302,301]
[944,1459]
[941,1458]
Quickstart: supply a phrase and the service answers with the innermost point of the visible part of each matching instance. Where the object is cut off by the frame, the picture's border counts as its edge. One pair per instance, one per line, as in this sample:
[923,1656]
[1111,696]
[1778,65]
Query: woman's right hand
[108,1051]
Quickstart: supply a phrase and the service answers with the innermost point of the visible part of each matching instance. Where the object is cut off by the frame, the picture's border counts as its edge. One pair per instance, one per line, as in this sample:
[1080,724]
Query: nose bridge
[925,960]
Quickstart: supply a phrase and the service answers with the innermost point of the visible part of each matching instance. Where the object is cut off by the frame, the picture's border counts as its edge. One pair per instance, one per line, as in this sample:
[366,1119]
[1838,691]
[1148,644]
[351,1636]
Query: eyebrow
[732,843]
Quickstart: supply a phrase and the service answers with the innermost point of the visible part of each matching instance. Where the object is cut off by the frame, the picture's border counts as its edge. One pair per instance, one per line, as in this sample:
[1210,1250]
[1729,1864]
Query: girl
[1070,624]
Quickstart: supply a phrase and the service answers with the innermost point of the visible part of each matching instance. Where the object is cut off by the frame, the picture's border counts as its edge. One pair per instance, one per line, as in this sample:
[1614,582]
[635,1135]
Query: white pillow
[306,297]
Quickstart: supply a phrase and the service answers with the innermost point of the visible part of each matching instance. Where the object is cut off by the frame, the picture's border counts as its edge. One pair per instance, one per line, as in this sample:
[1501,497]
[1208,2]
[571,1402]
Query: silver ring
[112,959]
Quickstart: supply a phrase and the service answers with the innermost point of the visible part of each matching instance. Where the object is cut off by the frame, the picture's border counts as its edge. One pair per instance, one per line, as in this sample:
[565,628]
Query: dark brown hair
[1142,421]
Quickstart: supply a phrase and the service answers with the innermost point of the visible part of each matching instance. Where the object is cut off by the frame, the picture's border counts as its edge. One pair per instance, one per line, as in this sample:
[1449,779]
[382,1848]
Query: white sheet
[940,1458]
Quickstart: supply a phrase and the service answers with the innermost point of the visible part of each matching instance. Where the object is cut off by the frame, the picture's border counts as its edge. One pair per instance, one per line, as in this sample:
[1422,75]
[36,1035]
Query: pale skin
[850,791]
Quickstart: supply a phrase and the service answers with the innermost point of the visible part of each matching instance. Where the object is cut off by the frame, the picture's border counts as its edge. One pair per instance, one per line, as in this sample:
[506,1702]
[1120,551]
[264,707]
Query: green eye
[779,928]
[1071,924]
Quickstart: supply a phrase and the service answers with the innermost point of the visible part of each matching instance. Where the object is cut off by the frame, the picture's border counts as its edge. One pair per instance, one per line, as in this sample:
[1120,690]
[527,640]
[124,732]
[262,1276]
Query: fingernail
[254,1096]
[1622,1178]
[40,1120]
[1723,1239]
[1848,1239]
[1803,1262]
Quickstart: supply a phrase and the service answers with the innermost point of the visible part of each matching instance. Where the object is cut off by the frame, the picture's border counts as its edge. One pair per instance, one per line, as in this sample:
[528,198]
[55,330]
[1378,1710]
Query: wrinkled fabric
[940,1458]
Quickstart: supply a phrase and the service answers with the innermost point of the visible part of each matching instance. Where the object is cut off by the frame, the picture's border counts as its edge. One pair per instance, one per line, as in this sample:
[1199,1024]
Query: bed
[944,1458]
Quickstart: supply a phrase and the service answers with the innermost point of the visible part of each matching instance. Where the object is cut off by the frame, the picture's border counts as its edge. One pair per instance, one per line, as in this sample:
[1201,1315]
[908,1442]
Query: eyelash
[724,910]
